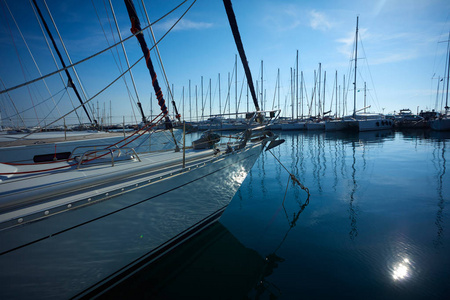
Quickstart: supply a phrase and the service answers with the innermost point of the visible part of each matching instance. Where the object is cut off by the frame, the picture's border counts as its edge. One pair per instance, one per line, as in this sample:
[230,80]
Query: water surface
[375,226]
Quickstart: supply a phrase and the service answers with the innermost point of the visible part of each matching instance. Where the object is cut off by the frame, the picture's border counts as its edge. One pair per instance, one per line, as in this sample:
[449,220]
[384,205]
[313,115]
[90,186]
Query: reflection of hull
[375,135]
[440,124]
[84,231]
[212,265]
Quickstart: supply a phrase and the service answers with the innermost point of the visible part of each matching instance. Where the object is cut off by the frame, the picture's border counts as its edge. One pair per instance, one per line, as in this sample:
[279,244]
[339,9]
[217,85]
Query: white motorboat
[373,121]
[442,123]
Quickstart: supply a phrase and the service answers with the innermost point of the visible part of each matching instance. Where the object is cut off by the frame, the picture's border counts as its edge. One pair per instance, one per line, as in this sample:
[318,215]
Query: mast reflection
[440,162]
[265,287]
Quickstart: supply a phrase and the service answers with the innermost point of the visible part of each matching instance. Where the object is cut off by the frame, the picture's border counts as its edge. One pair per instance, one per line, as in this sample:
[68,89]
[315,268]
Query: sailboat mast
[448,73]
[336,104]
[356,61]
[364,97]
[296,84]
[262,84]
[235,85]
[71,84]
[278,77]
[240,47]
[136,29]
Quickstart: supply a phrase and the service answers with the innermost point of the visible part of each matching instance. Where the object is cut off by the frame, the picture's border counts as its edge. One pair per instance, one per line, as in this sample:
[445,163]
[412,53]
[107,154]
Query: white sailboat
[71,228]
[443,122]
[365,121]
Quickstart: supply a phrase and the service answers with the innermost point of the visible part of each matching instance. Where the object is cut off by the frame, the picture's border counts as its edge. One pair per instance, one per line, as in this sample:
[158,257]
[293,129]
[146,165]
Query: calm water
[376,226]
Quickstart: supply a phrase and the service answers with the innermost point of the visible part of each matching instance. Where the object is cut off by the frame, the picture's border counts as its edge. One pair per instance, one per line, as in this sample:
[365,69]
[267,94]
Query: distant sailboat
[443,122]
[365,121]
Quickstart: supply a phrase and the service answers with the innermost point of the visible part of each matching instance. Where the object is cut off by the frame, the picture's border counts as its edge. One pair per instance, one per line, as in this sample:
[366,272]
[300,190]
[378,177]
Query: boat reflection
[440,163]
[265,288]
[213,265]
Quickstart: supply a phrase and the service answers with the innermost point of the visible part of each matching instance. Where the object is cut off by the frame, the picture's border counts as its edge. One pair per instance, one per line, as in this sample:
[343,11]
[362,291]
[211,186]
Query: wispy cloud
[283,17]
[346,43]
[319,21]
[385,49]
[184,24]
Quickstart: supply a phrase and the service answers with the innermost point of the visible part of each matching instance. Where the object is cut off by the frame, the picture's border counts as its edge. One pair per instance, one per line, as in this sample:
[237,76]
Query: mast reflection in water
[374,227]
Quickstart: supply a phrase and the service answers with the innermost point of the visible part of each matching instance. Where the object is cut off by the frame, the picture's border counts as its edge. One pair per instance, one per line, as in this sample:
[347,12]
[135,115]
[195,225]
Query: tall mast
[70,84]
[190,106]
[240,47]
[262,84]
[296,84]
[323,102]
[203,105]
[356,61]
[220,99]
[235,84]
[364,97]
[301,92]
[144,119]
[448,73]
[292,96]
[279,88]
[136,29]
[319,108]
[336,104]
[210,99]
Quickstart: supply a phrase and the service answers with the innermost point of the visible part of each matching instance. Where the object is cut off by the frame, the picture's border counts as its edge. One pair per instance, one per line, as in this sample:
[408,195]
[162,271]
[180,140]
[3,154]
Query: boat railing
[93,154]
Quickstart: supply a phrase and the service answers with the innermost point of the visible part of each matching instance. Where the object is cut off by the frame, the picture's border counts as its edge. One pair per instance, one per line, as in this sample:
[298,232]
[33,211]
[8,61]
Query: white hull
[100,224]
[374,124]
[440,124]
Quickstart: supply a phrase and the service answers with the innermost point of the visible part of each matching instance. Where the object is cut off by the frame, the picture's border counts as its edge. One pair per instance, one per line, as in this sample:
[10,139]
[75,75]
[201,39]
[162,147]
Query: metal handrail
[111,152]
[104,147]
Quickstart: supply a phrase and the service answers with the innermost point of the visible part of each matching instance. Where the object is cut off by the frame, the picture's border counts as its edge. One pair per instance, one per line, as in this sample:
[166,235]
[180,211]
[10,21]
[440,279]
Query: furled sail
[240,47]
[137,30]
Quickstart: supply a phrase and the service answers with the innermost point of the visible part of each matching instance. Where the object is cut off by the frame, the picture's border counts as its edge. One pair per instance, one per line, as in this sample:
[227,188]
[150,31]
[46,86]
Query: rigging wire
[70,60]
[31,54]
[126,58]
[53,56]
[19,113]
[14,105]
[370,73]
[109,85]
[159,55]
[118,64]
[93,55]
[22,67]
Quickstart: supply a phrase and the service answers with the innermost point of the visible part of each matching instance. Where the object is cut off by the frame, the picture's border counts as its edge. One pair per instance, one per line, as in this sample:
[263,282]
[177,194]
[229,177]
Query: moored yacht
[73,227]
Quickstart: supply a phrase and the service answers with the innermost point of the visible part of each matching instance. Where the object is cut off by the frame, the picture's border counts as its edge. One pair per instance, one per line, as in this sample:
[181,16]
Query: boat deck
[22,194]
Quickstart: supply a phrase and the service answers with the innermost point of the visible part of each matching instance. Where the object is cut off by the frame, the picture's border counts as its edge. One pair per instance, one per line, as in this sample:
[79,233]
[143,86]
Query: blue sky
[402,53]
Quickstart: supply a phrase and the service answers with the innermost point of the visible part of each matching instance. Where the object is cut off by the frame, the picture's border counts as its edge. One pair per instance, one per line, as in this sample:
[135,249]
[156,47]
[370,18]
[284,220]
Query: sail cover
[137,30]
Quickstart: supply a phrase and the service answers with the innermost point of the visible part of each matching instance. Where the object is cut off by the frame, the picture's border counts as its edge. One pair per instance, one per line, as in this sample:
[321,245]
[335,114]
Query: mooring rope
[293,178]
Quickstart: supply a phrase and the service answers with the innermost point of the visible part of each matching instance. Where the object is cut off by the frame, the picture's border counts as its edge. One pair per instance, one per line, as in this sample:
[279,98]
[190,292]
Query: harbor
[375,226]
[215,150]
